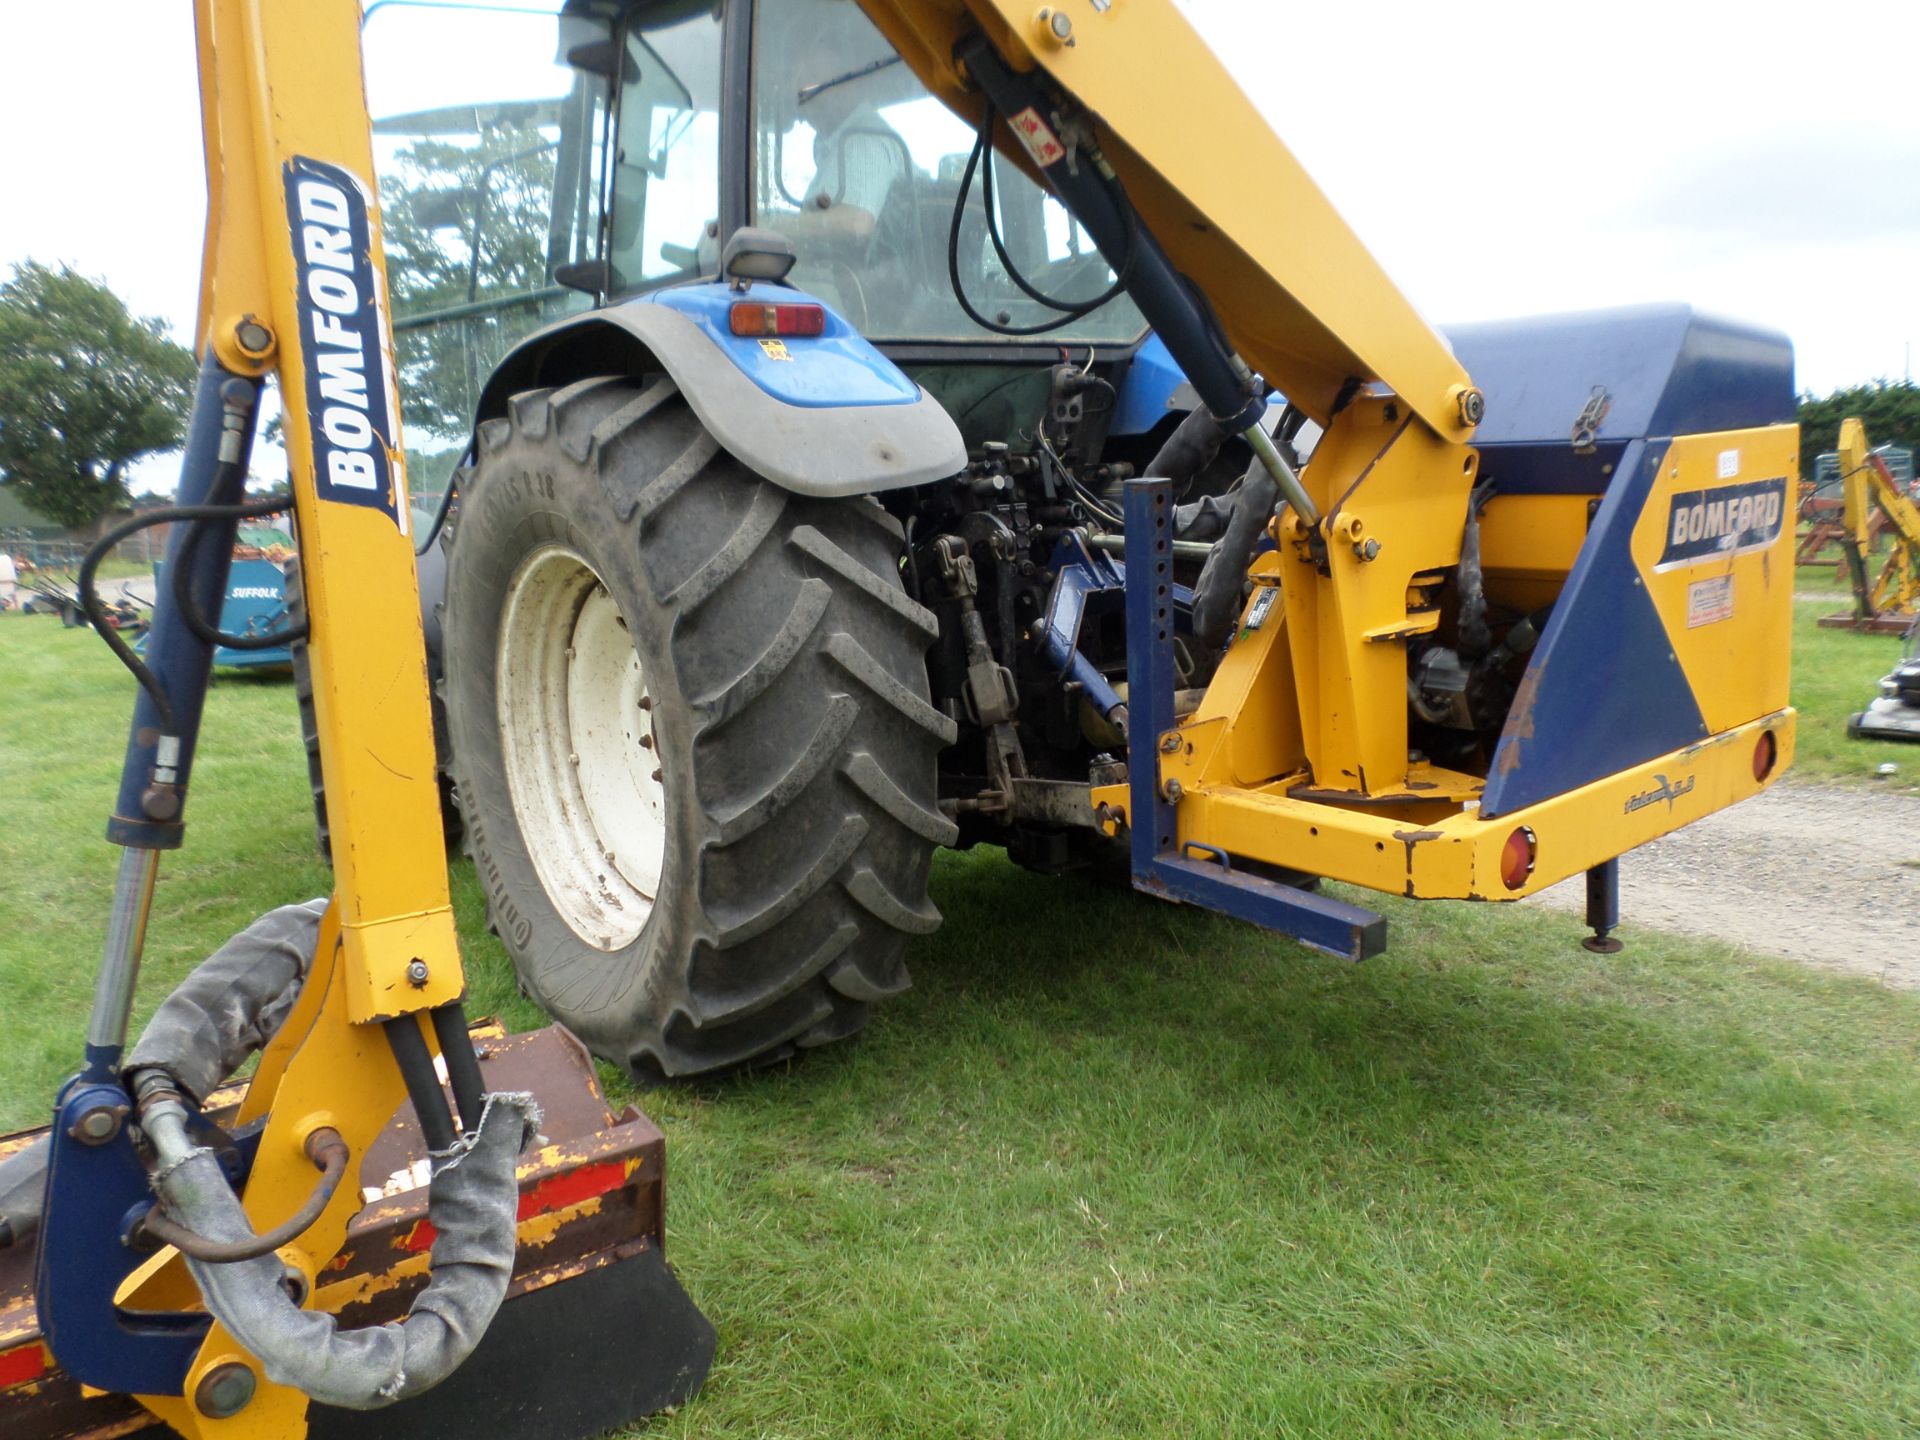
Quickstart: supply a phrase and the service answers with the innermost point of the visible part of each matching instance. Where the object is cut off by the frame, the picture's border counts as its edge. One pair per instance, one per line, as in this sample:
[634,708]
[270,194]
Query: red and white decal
[1709,601]
[1042,144]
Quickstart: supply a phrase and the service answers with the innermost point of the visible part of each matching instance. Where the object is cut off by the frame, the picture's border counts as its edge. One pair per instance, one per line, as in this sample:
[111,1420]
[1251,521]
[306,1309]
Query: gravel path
[1821,873]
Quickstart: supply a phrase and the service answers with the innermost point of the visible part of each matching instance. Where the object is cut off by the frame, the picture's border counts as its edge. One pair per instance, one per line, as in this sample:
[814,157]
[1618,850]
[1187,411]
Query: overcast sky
[1501,157]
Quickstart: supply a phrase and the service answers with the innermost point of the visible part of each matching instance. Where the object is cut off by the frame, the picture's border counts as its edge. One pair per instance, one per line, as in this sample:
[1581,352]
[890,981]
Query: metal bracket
[1160,865]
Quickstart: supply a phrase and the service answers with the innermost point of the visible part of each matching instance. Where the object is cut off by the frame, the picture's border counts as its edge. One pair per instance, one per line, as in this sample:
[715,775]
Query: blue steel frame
[1161,866]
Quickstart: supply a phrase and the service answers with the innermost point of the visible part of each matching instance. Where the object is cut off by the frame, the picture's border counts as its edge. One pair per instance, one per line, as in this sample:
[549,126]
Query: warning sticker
[1042,144]
[1709,601]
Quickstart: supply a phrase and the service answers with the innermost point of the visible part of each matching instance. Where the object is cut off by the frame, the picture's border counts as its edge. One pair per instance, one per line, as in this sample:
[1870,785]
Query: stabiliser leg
[1195,873]
[1603,907]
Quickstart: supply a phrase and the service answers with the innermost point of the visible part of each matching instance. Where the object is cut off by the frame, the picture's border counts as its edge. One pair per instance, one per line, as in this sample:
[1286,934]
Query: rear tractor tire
[691,734]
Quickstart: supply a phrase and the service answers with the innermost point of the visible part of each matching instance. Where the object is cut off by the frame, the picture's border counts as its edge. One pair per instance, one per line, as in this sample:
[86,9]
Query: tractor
[790,431]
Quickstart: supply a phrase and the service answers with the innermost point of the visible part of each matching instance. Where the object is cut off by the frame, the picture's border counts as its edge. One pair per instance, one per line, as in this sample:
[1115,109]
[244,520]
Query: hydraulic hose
[472,1201]
[326,1149]
[1217,596]
[227,1009]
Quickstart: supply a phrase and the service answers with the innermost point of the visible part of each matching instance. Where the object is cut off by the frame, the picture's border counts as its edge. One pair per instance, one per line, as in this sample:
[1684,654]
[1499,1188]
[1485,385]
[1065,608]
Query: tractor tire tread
[797,683]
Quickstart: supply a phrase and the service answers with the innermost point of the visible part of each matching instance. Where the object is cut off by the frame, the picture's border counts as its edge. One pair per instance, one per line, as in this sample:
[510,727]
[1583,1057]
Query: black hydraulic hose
[96,614]
[182,574]
[463,1066]
[410,1053]
[1071,310]
[990,202]
[439,519]
[95,611]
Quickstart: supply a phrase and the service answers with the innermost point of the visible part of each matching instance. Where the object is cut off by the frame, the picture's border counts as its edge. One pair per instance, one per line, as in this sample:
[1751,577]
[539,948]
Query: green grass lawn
[1117,1169]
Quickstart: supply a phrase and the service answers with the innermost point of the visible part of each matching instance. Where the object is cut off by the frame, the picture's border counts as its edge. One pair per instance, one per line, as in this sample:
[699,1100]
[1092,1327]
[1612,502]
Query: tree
[85,390]
[1890,409]
[440,199]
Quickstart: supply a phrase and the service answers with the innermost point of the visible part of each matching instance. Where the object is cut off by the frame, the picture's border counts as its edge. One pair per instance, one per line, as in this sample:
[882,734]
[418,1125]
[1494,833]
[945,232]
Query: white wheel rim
[576,735]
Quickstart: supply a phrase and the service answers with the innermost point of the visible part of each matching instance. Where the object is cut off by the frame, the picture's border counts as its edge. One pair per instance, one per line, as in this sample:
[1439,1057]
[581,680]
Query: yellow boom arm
[293,284]
[1297,292]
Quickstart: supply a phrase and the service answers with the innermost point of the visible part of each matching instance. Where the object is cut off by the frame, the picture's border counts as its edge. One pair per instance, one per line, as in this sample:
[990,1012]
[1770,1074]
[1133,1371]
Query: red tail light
[1517,857]
[749,317]
[1766,753]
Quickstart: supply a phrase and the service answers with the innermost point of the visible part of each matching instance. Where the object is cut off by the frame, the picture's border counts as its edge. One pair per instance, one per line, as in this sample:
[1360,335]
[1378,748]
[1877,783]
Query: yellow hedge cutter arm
[1886,603]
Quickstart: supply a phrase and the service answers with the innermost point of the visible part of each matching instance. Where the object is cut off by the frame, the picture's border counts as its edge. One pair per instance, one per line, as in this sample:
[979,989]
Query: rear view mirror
[440,209]
[606,58]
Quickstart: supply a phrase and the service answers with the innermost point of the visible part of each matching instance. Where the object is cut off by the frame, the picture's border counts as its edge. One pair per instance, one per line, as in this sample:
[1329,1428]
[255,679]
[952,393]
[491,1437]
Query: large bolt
[1170,743]
[1056,26]
[224,1391]
[1473,405]
[254,339]
[98,1125]
[160,802]
[417,973]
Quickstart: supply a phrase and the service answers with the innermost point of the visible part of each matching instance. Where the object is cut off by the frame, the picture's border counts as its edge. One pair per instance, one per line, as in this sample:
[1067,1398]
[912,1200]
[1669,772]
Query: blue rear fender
[824,415]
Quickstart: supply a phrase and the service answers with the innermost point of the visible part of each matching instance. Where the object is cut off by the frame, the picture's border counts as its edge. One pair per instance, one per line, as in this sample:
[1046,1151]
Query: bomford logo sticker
[1726,520]
[348,380]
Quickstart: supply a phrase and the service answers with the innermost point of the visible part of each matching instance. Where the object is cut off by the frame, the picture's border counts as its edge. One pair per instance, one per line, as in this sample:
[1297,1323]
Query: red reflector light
[1766,751]
[1517,857]
[749,317]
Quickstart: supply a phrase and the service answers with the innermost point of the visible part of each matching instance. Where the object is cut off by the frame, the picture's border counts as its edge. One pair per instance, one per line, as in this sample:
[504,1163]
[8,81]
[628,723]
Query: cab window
[664,219]
[860,167]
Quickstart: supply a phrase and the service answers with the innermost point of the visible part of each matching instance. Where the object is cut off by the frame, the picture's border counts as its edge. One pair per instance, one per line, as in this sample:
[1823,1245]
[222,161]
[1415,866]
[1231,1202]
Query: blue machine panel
[255,604]
[1603,691]
[1652,370]
[815,372]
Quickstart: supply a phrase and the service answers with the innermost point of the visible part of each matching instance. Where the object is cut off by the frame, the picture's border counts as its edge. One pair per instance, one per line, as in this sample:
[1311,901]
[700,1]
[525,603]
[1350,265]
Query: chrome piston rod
[126,939]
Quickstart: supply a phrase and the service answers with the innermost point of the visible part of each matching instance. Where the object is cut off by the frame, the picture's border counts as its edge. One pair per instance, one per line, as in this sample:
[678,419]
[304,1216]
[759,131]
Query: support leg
[1603,907]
